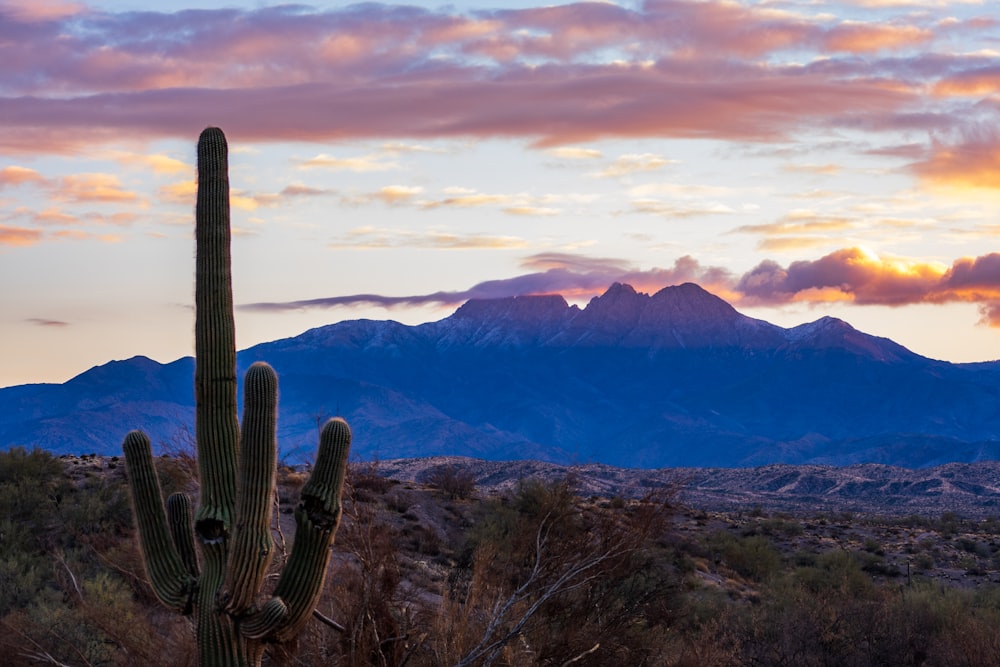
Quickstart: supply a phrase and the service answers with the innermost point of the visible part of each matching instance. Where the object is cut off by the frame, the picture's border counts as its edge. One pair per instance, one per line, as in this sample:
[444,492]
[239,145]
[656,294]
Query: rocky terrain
[753,566]
[971,490]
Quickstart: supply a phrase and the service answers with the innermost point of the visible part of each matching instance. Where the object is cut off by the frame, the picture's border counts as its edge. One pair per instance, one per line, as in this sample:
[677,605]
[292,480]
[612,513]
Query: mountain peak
[833,333]
[506,322]
[520,308]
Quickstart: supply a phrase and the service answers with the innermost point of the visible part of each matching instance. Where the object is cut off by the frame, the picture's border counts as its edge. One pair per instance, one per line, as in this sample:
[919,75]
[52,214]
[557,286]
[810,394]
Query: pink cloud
[684,69]
[14,175]
[31,11]
[18,236]
[868,38]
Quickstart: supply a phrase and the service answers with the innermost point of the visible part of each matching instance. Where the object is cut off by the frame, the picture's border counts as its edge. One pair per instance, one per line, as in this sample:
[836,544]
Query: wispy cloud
[575,153]
[634,163]
[105,188]
[361,164]
[673,209]
[15,175]
[371,237]
[19,236]
[156,163]
[47,323]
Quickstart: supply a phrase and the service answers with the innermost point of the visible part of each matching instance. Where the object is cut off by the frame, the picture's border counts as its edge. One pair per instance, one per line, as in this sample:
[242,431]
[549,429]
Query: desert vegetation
[437,573]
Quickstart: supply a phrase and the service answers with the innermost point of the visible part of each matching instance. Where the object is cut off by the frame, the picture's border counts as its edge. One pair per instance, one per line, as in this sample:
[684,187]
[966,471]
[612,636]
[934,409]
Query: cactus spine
[237,469]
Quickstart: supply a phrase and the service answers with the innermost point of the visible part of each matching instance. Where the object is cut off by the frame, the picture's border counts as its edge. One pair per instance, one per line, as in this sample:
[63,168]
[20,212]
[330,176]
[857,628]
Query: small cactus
[237,469]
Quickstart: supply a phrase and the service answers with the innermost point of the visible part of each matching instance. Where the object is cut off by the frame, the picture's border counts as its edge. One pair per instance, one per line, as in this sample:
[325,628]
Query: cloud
[14,175]
[634,163]
[467,200]
[679,210]
[103,188]
[853,275]
[860,276]
[397,194]
[19,236]
[555,76]
[532,211]
[371,237]
[362,164]
[47,323]
[573,276]
[970,164]
[574,153]
[801,221]
[157,163]
[990,313]
[29,11]
[855,37]
[818,169]
[182,192]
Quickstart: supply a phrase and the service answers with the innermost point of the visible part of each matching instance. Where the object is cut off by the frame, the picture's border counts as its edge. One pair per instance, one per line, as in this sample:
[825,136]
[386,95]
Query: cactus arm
[265,620]
[182,531]
[317,518]
[171,581]
[252,546]
[216,427]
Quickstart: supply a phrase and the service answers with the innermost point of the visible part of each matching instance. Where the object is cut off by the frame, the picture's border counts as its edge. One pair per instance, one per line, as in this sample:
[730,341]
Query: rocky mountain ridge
[677,378]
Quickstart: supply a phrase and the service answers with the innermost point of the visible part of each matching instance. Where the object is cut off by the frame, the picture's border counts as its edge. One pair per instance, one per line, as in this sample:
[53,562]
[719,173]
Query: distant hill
[677,378]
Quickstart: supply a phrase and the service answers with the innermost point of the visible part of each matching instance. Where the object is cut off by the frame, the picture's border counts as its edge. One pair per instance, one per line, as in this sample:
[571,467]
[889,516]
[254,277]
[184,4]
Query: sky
[390,161]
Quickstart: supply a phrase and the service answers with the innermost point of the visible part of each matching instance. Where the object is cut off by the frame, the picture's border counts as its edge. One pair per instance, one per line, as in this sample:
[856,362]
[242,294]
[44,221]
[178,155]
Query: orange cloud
[15,175]
[971,84]
[379,237]
[53,217]
[158,163]
[397,194]
[105,188]
[183,192]
[865,278]
[867,37]
[972,164]
[19,236]
[362,164]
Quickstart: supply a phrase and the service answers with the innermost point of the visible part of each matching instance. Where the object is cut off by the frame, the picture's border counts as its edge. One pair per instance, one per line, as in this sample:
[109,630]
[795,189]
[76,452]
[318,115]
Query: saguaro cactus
[235,619]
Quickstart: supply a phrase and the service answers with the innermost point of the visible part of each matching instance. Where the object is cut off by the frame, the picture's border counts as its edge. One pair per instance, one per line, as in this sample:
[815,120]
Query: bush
[458,483]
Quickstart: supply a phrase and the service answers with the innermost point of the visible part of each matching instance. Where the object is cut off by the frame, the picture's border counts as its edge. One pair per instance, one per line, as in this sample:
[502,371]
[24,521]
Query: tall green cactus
[235,618]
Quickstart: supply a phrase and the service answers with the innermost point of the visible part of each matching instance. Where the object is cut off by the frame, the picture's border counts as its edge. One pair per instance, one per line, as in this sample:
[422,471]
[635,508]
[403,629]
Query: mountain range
[676,378]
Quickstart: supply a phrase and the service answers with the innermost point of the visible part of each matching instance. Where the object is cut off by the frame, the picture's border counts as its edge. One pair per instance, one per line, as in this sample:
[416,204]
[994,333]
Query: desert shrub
[780,527]
[458,483]
[835,572]
[569,580]
[754,557]
[365,480]
[923,561]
